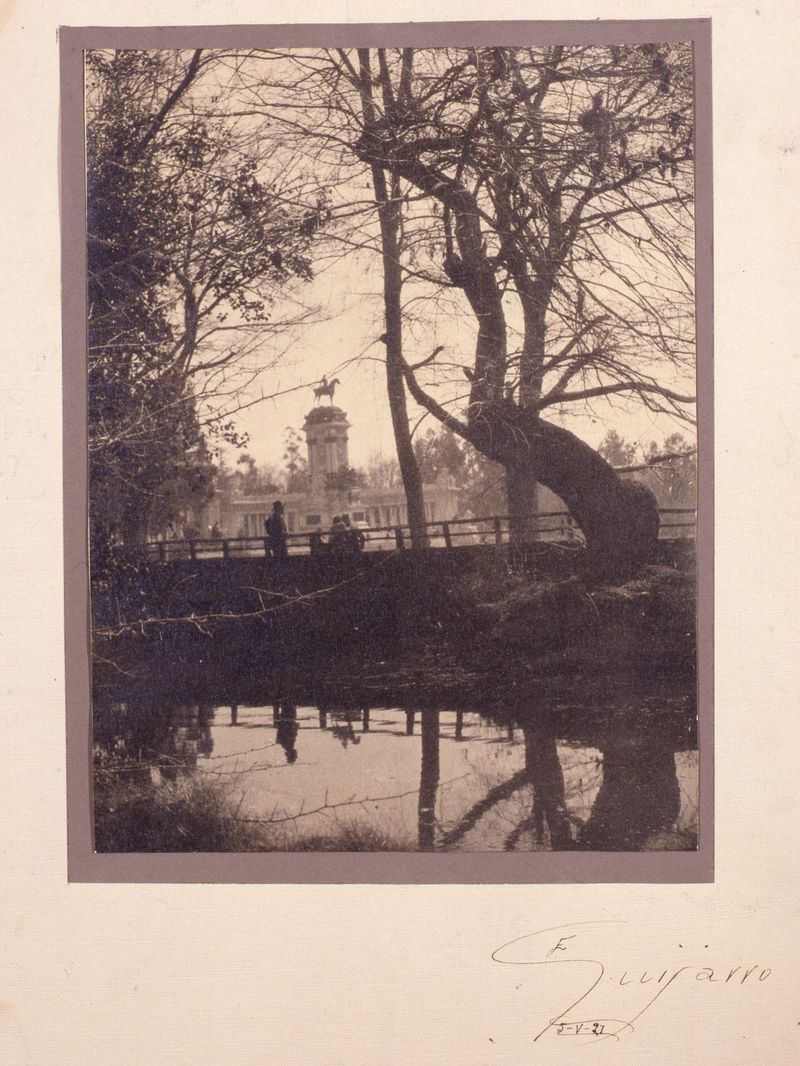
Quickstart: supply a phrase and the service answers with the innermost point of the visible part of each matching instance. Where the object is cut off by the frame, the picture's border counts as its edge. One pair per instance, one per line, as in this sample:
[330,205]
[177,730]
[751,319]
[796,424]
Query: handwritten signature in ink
[590,1014]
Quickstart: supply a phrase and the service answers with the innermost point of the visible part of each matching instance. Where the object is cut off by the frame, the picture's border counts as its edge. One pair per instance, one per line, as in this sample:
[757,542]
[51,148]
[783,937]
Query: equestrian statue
[325,388]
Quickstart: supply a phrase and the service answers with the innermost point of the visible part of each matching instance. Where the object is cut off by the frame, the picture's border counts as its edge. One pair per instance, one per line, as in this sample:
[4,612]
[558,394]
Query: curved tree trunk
[618,518]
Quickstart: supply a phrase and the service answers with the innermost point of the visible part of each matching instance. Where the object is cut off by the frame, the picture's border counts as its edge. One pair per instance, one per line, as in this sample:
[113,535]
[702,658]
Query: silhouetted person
[276,532]
[344,732]
[205,742]
[287,729]
[339,536]
[355,538]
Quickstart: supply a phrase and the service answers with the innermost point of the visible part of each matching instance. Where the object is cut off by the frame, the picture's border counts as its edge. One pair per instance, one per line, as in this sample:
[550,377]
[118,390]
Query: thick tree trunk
[522,503]
[618,518]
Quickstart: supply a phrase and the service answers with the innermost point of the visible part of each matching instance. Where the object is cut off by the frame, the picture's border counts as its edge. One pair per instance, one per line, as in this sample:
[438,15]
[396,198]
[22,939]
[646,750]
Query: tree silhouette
[188,242]
[545,193]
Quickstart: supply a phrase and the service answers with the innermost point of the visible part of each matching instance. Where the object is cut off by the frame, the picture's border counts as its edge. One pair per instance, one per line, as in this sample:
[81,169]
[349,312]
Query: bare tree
[545,193]
[387,196]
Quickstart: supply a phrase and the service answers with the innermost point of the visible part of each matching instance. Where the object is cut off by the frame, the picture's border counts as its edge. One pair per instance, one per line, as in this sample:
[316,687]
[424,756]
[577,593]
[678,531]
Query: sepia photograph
[392,430]
[400,488]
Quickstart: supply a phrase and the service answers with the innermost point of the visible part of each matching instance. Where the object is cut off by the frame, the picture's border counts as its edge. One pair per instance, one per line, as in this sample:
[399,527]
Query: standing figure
[355,538]
[276,532]
[339,536]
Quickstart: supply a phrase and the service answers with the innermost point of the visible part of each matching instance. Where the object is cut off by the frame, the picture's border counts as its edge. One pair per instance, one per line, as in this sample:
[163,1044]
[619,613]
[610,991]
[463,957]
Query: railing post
[448,540]
[398,538]
[226,551]
[498,531]
[192,551]
[162,556]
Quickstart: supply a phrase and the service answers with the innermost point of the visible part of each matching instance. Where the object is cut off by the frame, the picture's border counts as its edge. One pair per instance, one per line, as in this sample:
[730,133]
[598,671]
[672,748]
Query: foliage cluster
[189,240]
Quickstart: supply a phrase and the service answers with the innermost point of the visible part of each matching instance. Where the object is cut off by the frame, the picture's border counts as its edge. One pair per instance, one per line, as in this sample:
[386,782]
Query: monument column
[326,429]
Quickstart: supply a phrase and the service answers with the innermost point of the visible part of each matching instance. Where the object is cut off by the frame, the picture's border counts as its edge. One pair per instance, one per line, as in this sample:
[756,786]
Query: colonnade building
[326,430]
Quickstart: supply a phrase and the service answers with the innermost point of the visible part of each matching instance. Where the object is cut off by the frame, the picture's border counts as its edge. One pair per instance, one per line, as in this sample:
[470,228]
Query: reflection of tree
[635,795]
[639,795]
[638,791]
[188,737]
[505,790]
[133,728]
[429,780]
[543,770]
[171,736]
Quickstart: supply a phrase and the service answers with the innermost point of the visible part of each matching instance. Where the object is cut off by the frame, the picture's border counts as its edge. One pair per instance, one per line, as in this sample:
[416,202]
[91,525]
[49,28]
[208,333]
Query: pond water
[617,772]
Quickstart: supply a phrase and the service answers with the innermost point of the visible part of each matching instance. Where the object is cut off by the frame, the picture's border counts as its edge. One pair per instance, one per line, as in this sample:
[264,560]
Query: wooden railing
[447,534]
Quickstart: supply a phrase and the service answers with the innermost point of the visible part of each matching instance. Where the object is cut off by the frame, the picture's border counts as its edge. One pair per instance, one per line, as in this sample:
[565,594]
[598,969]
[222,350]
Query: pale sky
[348,293]
[334,348]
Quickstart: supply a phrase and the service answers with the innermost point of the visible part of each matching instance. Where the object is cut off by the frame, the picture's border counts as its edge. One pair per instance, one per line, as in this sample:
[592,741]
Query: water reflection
[623,777]
[549,809]
[428,782]
[287,728]
[639,795]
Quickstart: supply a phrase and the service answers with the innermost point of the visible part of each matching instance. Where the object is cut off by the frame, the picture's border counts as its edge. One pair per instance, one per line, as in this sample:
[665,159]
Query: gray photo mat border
[84,865]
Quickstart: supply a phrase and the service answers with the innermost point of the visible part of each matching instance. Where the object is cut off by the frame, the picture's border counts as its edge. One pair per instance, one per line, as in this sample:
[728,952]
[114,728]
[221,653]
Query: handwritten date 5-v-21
[616,997]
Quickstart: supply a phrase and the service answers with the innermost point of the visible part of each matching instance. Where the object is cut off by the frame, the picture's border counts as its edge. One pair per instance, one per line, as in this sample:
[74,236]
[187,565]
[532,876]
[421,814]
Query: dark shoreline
[476,640]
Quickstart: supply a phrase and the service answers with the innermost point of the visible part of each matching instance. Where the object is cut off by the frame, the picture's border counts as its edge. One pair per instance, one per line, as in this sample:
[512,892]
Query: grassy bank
[489,626]
[134,812]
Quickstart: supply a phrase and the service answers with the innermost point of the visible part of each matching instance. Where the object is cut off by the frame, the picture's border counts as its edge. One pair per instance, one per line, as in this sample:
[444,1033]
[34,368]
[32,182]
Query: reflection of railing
[493,531]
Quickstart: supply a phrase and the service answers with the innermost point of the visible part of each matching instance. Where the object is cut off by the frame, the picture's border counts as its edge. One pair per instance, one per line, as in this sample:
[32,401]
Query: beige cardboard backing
[328,974]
